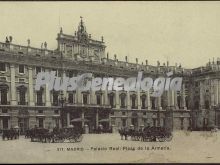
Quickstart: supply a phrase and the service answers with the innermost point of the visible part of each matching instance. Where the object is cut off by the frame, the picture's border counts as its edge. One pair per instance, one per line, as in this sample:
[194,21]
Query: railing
[40,104]
[25,49]
[5,103]
[134,107]
[55,104]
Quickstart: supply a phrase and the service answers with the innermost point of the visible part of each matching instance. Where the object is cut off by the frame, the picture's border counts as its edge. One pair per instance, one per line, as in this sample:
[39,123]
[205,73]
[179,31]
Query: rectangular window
[98,97]
[4,100]
[70,98]
[4,111]
[55,98]
[21,68]
[39,98]
[5,123]
[38,70]
[40,111]
[84,98]
[143,102]
[22,97]
[2,67]
[56,112]
[111,100]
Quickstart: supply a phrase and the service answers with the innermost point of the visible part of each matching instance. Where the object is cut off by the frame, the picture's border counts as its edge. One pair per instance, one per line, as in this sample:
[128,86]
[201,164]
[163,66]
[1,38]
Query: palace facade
[195,106]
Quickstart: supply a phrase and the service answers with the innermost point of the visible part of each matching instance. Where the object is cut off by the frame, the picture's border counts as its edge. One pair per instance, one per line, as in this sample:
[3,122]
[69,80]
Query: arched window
[122,97]
[153,103]
[22,95]
[85,98]
[98,98]
[143,102]
[133,101]
[40,97]
[70,98]
[111,99]
[55,98]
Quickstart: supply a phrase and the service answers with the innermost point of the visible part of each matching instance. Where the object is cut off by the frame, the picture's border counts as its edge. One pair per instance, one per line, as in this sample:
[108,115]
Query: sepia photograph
[109,82]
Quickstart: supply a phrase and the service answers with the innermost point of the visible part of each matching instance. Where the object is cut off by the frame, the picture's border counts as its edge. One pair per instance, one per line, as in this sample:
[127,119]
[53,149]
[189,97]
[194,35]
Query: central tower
[81,46]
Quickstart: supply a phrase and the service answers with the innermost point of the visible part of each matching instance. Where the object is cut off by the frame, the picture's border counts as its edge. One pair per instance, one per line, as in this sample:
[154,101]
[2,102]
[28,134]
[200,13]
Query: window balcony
[55,104]
[134,107]
[40,104]
[22,103]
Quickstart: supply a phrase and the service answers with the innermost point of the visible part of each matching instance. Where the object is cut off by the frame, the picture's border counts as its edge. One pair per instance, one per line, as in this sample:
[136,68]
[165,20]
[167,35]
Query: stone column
[9,122]
[168,98]
[97,118]
[183,101]
[201,97]
[216,91]
[138,99]
[83,117]
[31,90]
[13,89]
[117,99]
[128,100]
[212,93]
[64,92]
[175,100]
[148,100]
[68,119]
[172,96]
[93,97]
[159,103]
[48,101]
[78,96]
[105,97]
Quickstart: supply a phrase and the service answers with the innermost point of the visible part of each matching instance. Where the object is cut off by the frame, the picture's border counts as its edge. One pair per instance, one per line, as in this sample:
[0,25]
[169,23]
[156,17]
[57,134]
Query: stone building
[196,105]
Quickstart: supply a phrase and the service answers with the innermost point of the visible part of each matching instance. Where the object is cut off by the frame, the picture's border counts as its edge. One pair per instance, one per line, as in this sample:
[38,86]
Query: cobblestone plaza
[106,148]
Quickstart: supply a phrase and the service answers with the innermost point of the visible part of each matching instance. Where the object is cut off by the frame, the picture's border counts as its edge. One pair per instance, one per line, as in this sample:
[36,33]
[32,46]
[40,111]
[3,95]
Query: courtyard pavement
[105,148]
